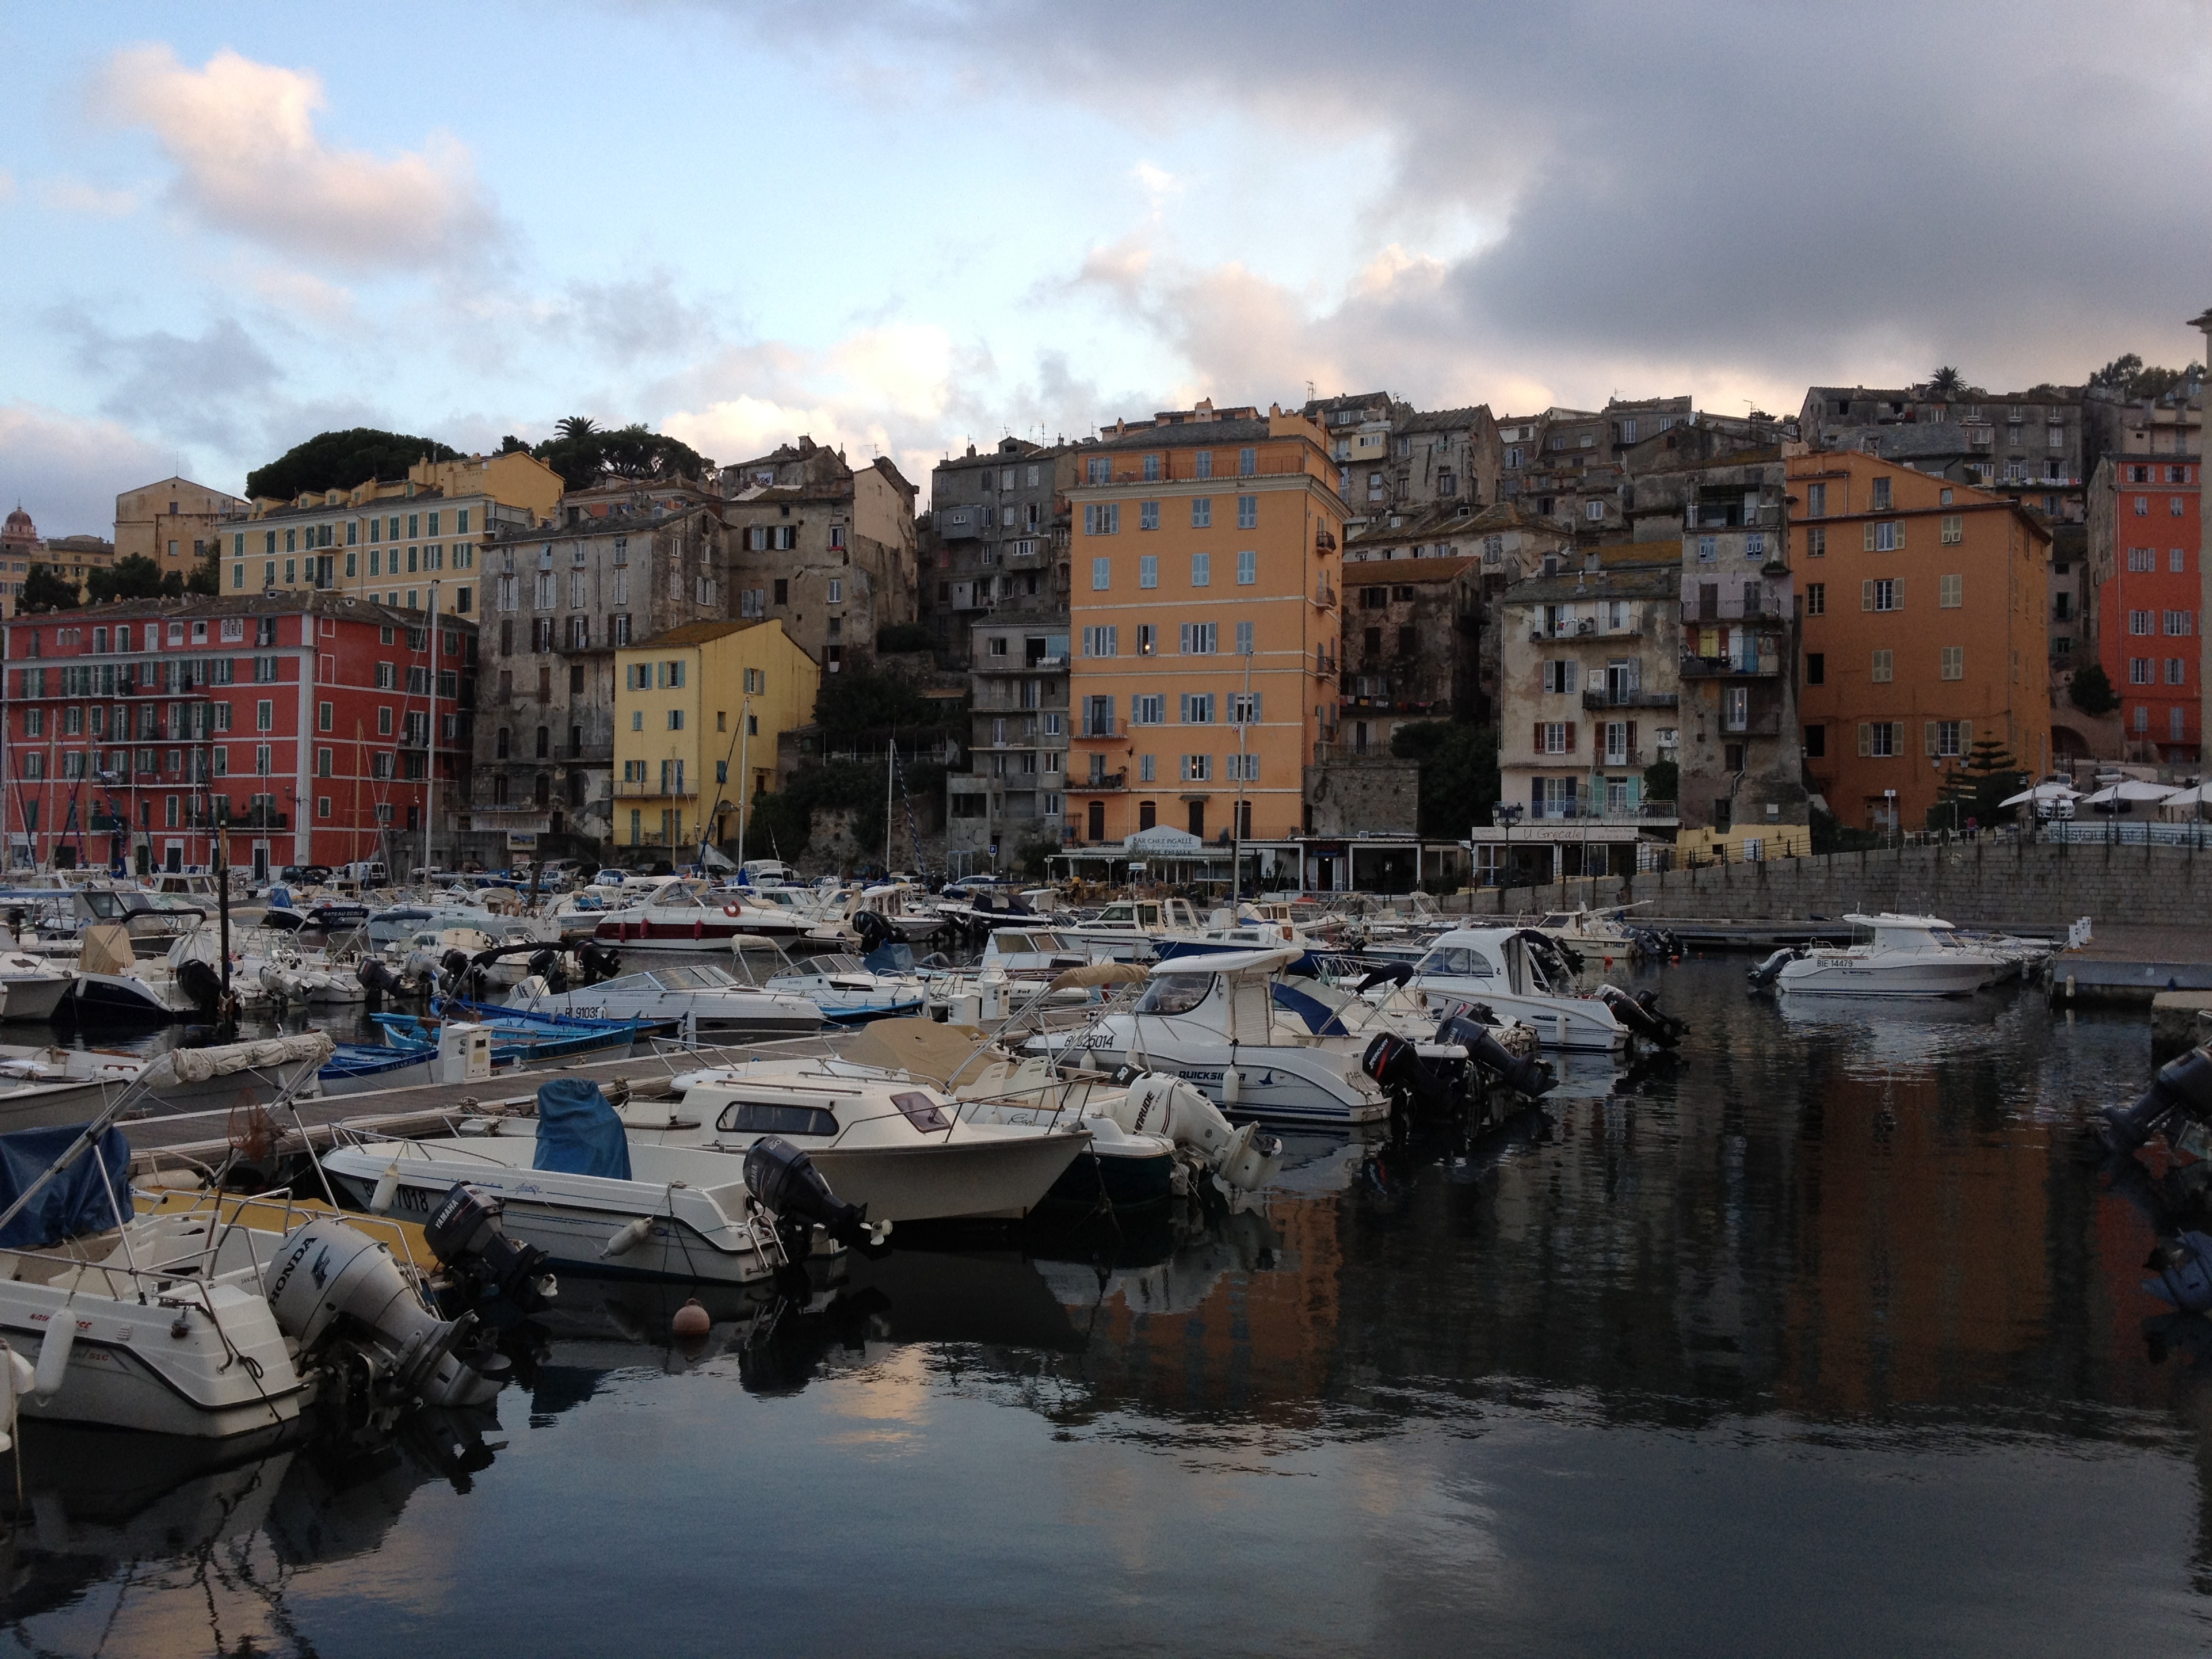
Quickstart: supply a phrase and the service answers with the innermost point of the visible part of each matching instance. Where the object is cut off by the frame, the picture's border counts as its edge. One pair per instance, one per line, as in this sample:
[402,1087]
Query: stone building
[1391,456]
[825,548]
[2026,446]
[1571,465]
[1413,606]
[559,602]
[173,522]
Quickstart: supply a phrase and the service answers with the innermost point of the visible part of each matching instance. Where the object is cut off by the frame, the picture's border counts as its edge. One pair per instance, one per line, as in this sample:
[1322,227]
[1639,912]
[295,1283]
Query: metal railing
[1597,697]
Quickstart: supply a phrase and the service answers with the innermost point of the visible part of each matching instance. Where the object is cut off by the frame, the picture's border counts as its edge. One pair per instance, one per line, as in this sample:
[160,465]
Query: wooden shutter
[1966,738]
[1866,541]
[1631,737]
[1866,737]
[1570,737]
[1900,527]
[1928,732]
[1537,741]
[1866,595]
[1896,595]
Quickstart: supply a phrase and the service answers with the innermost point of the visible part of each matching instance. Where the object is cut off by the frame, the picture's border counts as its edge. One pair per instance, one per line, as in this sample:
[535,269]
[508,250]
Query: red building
[303,719]
[2145,538]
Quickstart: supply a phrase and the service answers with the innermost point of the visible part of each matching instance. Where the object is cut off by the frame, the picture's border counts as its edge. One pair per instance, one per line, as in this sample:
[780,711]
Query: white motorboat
[1130,930]
[40,1087]
[115,985]
[1592,932]
[1500,969]
[901,912]
[684,914]
[711,1000]
[901,1149]
[846,989]
[32,988]
[1893,955]
[1213,1022]
[1032,952]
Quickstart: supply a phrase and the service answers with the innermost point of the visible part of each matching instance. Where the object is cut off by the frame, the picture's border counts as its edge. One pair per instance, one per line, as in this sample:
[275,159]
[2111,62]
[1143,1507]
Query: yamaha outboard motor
[1770,969]
[2181,1086]
[1641,1015]
[1392,1061]
[783,1180]
[466,1235]
[1531,1077]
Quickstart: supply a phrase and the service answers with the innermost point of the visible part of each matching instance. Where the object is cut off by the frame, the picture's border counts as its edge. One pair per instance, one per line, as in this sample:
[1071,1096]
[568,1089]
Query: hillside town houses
[1687,635]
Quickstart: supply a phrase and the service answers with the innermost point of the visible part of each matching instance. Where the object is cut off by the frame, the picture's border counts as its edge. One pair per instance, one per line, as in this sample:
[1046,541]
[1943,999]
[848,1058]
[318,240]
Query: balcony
[261,818]
[1599,698]
[1707,668]
[1650,812]
[1101,783]
[1097,726]
[634,791]
[1759,726]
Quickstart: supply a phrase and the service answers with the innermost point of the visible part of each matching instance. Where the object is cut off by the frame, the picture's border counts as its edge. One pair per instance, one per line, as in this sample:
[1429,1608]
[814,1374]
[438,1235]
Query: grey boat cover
[578,1132]
[85,1198]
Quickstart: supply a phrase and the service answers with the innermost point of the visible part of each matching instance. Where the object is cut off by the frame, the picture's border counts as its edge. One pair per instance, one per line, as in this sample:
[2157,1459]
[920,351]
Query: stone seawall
[1982,882]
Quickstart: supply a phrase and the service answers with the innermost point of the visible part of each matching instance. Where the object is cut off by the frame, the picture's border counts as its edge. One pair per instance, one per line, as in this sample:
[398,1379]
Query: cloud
[67,472]
[249,162]
[75,196]
[213,389]
[633,318]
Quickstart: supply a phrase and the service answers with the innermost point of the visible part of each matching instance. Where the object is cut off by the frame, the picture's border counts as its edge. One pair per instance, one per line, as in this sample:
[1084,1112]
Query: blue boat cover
[85,1198]
[1321,1020]
[578,1132]
[890,958]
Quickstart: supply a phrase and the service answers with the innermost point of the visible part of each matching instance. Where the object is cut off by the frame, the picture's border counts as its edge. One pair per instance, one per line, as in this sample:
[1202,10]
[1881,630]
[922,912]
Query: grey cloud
[636,318]
[211,390]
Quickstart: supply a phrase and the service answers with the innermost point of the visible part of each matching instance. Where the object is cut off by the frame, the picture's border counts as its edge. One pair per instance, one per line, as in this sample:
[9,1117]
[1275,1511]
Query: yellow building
[697,710]
[173,522]
[396,542]
[1204,619]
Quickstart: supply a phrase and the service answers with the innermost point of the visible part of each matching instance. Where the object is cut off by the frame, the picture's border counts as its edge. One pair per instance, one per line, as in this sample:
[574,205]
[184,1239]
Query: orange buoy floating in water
[691,1320]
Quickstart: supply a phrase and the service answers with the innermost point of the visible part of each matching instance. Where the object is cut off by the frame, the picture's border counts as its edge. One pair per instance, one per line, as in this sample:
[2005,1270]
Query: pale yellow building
[406,542]
[173,522]
[697,710]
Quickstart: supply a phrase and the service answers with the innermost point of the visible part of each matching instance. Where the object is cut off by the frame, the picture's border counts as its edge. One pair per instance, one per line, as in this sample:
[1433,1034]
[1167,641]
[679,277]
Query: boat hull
[1000,1179]
[33,998]
[1570,1024]
[1860,978]
[1126,1180]
[119,998]
[1275,1085]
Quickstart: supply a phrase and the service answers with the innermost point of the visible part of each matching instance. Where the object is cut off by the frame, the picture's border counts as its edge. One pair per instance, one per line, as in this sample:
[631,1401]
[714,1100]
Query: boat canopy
[578,1132]
[1237,964]
[88,1196]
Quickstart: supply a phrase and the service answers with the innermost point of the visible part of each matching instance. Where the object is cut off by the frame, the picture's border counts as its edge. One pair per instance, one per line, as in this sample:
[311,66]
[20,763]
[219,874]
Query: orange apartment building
[1923,633]
[1204,614]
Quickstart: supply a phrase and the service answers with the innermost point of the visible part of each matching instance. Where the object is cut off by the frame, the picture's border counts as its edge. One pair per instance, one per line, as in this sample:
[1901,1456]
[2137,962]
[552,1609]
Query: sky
[905,226]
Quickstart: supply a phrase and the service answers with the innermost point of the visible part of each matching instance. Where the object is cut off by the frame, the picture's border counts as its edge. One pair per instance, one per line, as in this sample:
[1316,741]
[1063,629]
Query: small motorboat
[852,990]
[1892,955]
[520,1036]
[573,1186]
[706,999]
[1522,975]
[683,915]
[32,988]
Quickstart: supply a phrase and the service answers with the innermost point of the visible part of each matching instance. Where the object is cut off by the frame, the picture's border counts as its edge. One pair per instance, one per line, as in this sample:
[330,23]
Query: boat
[1032,952]
[113,985]
[902,1150]
[32,988]
[703,999]
[521,1037]
[572,1184]
[1891,955]
[1518,976]
[211,1317]
[1601,933]
[850,990]
[1214,1022]
[40,1087]
[684,914]
[1130,930]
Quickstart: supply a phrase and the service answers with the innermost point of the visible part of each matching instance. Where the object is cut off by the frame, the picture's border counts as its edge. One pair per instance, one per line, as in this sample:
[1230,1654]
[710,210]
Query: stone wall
[1355,793]
[1978,881]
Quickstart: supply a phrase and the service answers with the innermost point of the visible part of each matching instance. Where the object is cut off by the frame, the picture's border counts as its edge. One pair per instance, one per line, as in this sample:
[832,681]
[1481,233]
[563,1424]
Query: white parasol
[2041,792]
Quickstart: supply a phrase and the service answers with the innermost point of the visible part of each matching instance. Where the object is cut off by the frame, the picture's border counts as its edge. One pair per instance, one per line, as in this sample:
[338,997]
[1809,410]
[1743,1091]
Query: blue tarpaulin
[891,959]
[85,1198]
[578,1132]
[1321,1020]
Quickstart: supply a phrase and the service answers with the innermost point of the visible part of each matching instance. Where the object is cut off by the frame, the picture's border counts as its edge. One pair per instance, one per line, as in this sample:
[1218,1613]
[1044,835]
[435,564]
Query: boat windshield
[692,978]
[834,964]
[1458,962]
[1175,994]
[1118,912]
[920,1110]
[760,1117]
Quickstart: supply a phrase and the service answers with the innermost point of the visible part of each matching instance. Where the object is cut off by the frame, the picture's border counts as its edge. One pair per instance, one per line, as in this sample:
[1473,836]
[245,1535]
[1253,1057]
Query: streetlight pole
[430,755]
[744,749]
[1236,825]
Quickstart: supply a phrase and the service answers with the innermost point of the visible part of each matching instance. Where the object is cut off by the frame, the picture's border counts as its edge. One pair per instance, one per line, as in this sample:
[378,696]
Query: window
[1883,593]
[1878,738]
[1248,463]
[676,719]
[1102,642]
[1202,511]
[1201,569]
[1102,575]
[1954,529]
[837,589]
[1816,668]
[2143,507]
[2179,562]
[1883,671]
[1148,513]
[1816,543]
[1559,675]
[1816,743]
[1148,708]
[2179,624]
[2142,558]
[1148,771]
[1101,518]
[1197,769]
[1944,738]
[264,716]
[1816,599]
[1816,500]
[1248,512]
[1198,639]
[1244,707]
[1148,640]
[1887,537]
[2176,670]
[1708,548]
[2139,622]
[1198,708]
[1248,567]
[1148,570]
[2142,670]
[1555,738]
[1950,591]
[1954,662]
[1881,503]
[1243,639]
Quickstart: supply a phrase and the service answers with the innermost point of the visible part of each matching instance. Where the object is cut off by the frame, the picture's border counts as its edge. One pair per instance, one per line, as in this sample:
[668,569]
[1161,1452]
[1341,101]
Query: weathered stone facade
[1363,794]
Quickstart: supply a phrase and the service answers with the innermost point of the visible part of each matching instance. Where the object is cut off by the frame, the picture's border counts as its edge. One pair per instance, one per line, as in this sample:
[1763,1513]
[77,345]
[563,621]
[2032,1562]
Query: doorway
[1096,821]
[1198,819]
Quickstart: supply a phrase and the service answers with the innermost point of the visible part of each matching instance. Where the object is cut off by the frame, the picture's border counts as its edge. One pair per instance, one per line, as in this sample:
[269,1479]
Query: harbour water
[1829,1339]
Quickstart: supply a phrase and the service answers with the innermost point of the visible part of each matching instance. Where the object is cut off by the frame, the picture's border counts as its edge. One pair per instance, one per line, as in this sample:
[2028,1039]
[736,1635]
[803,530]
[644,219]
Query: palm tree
[1947,382]
[576,426]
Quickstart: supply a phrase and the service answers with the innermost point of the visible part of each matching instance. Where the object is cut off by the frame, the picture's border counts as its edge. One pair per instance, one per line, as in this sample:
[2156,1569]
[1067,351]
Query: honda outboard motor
[1392,1062]
[466,1235]
[1641,1015]
[1770,969]
[783,1180]
[332,1285]
[2181,1086]
[1531,1077]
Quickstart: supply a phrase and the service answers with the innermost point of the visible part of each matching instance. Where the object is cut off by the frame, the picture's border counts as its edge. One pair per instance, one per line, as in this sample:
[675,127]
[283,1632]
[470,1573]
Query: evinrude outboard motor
[467,1236]
[1770,969]
[1394,1063]
[1531,1077]
[783,1180]
[332,1285]
[2181,1086]
[1641,1015]
[872,929]
[1245,1158]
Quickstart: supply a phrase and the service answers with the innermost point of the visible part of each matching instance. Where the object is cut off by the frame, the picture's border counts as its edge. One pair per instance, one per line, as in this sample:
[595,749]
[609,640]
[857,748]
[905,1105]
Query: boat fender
[17,1378]
[387,1188]
[691,1321]
[1232,1086]
[628,1238]
[53,1357]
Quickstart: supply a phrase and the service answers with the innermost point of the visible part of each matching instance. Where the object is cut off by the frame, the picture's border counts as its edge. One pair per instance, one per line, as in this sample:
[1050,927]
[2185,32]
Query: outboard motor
[466,1235]
[597,962]
[1641,1015]
[874,931]
[1530,1075]
[453,966]
[1245,1158]
[1392,1062]
[332,1285]
[201,984]
[548,966]
[783,1180]
[376,977]
[2181,1086]
[1770,969]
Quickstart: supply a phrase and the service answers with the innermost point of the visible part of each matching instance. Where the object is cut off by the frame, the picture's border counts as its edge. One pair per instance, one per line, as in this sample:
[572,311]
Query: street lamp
[1507,813]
